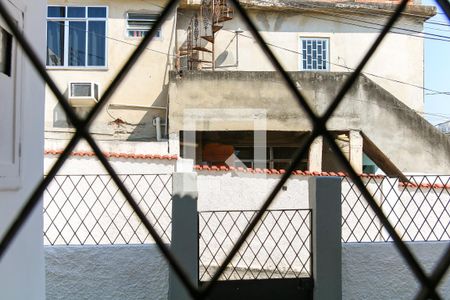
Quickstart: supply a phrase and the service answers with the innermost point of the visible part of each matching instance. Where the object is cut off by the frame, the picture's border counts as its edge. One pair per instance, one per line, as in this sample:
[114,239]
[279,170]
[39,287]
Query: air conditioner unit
[83,94]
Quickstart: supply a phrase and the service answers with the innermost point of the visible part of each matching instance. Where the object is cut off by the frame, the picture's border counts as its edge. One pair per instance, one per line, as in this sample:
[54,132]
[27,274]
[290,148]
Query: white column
[315,155]
[356,150]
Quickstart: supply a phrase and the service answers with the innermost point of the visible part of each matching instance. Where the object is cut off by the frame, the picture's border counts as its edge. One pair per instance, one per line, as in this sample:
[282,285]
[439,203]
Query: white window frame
[86,19]
[10,114]
[129,28]
[302,52]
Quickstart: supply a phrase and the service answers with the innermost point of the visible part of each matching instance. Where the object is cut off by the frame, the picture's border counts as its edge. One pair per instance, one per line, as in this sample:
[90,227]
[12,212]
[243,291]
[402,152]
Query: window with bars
[139,24]
[76,36]
[315,54]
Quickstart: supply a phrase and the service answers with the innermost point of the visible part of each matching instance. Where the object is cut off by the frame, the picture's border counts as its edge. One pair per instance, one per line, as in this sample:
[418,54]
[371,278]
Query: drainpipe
[157,124]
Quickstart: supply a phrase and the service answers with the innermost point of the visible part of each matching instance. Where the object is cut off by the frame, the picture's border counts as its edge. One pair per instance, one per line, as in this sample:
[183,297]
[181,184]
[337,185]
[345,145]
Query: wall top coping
[382,7]
[116,155]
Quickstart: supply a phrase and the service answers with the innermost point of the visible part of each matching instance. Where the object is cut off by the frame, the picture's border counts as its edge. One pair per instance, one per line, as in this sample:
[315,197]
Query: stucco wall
[377,271]
[145,86]
[282,28]
[369,271]
[231,191]
[407,139]
[106,272]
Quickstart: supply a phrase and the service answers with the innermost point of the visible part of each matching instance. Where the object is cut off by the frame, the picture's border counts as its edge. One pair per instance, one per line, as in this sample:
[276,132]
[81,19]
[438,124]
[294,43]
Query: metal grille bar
[279,247]
[319,128]
[88,209]
[418,210]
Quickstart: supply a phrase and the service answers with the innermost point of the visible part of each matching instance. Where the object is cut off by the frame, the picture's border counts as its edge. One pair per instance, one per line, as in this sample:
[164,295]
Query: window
[314,55]
[76,36]
[139,24]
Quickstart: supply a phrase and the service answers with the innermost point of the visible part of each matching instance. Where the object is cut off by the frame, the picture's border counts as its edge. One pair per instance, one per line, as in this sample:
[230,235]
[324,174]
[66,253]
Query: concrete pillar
[174,143]
[315,155]
[184,243]
[325,202]
[356,150]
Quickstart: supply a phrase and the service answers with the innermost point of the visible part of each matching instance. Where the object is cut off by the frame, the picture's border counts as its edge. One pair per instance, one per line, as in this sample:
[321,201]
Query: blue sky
[437,69]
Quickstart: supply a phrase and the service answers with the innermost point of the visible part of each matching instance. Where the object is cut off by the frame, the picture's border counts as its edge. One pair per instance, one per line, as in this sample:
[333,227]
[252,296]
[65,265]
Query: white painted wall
[89,165]
[112,146]
[22,267]
[231,191]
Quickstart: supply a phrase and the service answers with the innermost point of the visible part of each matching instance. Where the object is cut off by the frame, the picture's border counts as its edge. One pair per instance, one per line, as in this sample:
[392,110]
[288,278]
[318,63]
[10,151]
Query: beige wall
[400,57]
[145,86]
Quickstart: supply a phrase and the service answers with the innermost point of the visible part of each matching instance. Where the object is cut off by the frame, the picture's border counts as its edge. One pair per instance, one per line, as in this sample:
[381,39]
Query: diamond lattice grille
[89,209]
[279,247]
[428,282]
[418,210]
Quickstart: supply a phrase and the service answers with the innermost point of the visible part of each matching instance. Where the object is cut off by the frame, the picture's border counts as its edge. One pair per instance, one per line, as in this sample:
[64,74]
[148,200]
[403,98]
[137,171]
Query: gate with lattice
[273,263]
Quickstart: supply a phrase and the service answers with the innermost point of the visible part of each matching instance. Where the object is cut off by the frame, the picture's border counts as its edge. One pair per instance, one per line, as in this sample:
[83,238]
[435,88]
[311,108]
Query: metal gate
[273,263]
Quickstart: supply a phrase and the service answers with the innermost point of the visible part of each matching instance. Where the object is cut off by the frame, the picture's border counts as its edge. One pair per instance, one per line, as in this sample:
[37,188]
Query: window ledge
[76,68]
[132,38]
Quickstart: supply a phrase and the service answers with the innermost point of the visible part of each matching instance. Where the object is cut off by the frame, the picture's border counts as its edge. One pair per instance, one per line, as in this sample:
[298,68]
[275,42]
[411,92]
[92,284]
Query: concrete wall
[106,272]
[377,271]
[22,265]
[282,27]
[391,125]
[145,86]
[369,271]
[231,191]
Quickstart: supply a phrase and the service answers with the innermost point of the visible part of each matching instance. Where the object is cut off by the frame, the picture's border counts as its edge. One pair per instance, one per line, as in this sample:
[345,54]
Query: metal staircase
[197,53]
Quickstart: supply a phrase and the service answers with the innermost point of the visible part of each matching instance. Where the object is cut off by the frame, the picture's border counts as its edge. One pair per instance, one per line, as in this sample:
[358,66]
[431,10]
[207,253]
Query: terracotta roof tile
[276,171]
[424,185]
[115,155]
